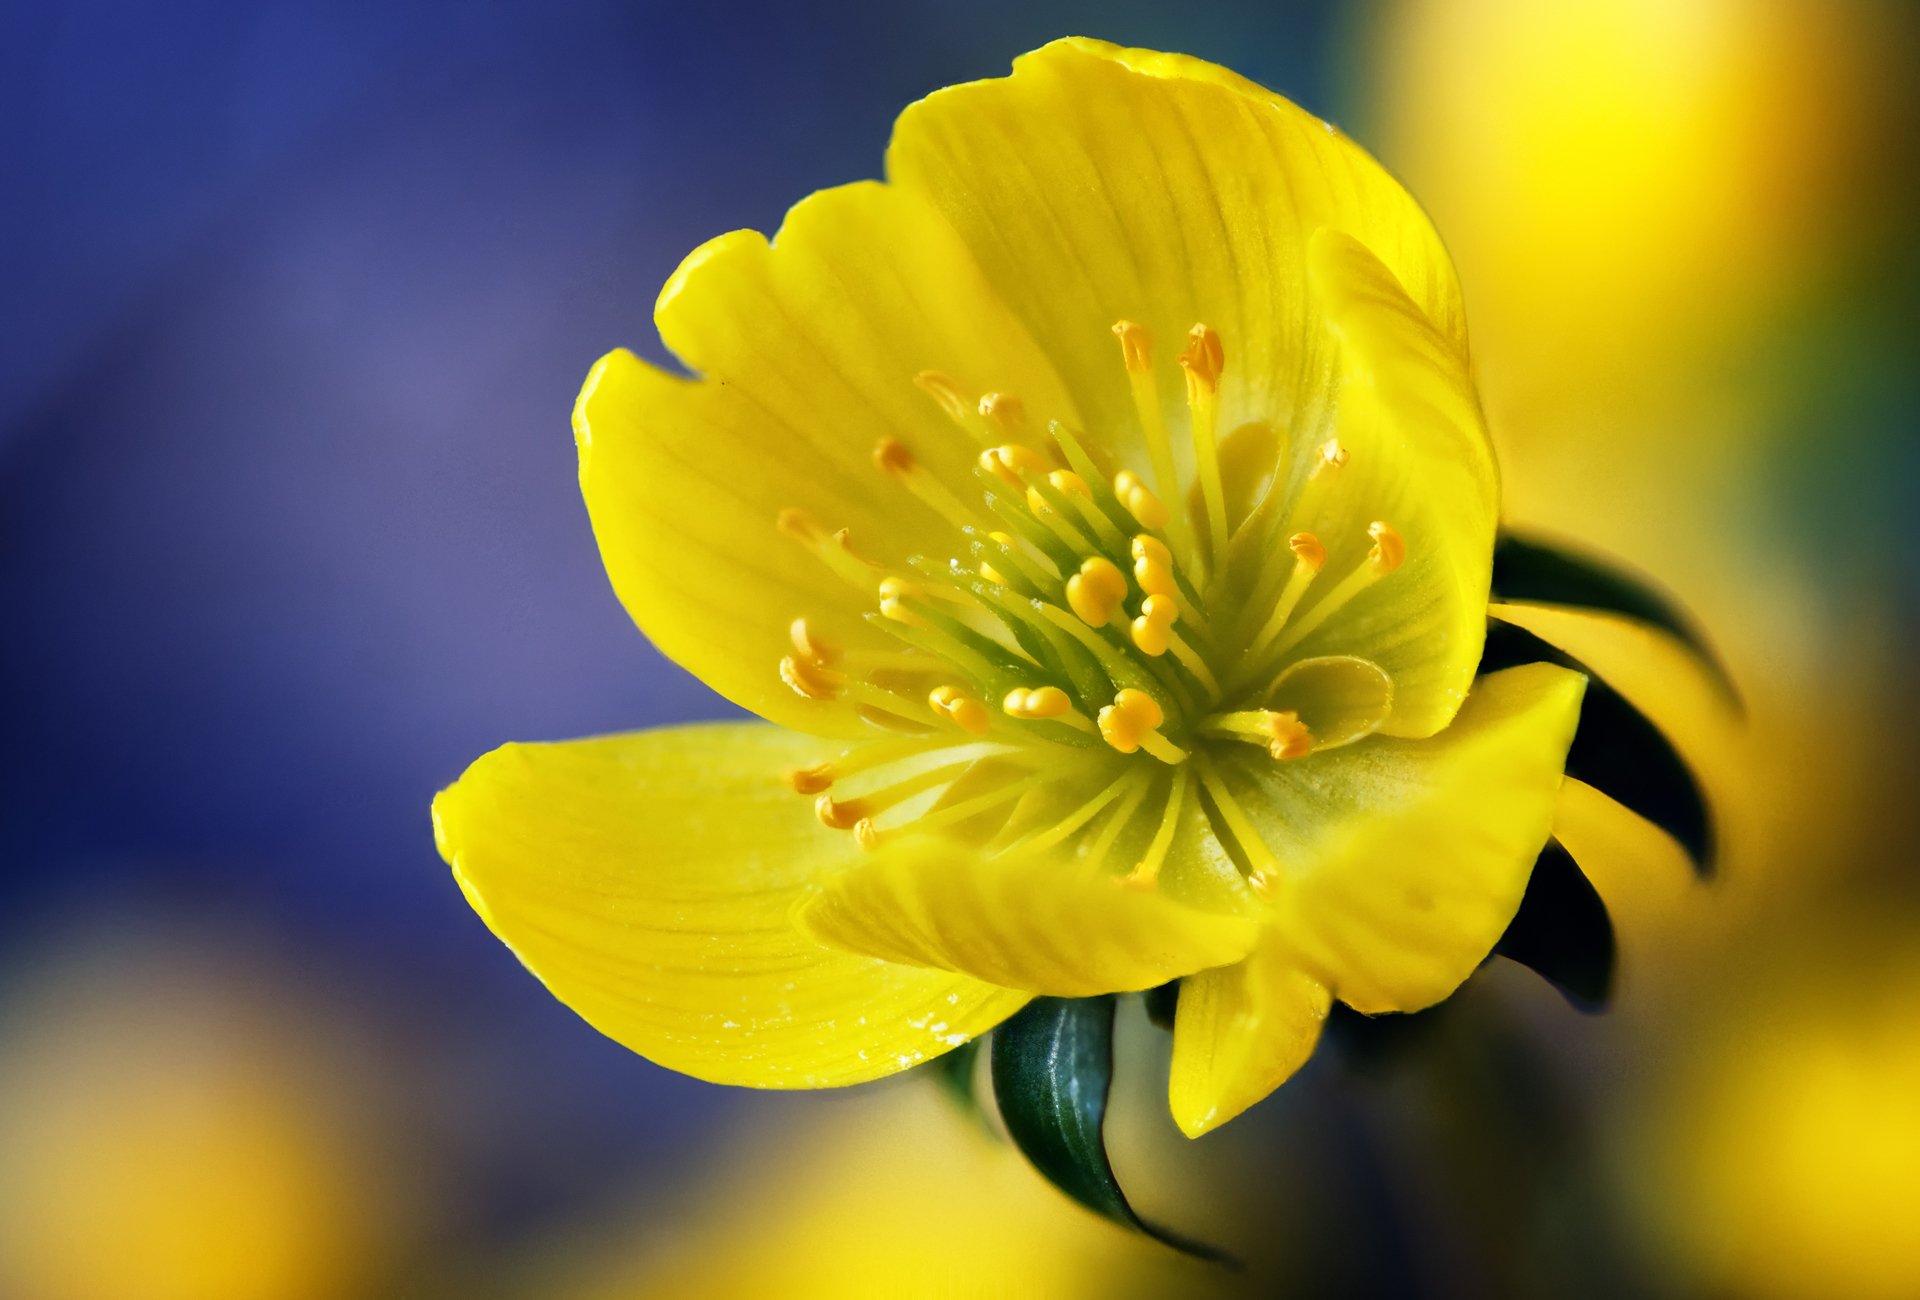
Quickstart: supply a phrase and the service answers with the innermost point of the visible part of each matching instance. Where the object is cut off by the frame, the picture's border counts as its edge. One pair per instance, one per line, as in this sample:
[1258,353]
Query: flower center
[1084,616]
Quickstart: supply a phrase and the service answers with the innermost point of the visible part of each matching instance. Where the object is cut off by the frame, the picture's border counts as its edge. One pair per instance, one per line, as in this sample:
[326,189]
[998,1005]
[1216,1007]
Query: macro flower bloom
[1101,518]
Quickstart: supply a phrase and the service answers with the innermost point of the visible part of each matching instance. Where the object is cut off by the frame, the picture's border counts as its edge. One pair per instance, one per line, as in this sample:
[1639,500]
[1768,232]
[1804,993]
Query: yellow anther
[1203,361]
[1139,500]
[1063,481]
[841,540]
[1009,460]
[891,455]
[1280,733]
[811,647]
[1095,593]
[839,814]
[1153,629]
[1288,737]
[815,681]
[812,780]
[987,570]
[1005,410]
[1136,346]
[1331,456]
[1308,551]
[894,595]
[866,834]
[1153,566]
[1068,483]
[799,525]
[1389,548]
[961,709]
[1126,722]
[1037,702]
[943,389]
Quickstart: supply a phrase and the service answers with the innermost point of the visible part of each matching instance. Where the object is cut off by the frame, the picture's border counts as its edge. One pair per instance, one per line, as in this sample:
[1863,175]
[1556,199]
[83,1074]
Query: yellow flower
[1101,512]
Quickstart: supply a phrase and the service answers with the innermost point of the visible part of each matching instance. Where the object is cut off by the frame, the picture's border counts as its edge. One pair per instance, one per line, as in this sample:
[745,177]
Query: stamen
[810,647]
[894,595]
[1330,459]
[1153,635]
[1045,702]
[1048,836]
[871,837]
[844,814]
[1153,567]
[1386,555]
[1139,500]
[892,458]
[1026,576]
[1006,462]
[1153,629]
[1309,557]
[821,776]
[1142,781]
[1146,872]
[1136,349]
[944,389]
[799,525]
[1005,410]
[1281,732]
[1203,361]
[961,709]
[1064,482]
[836,548]
[1097,591]
[1389,549]
[1266,868]
[1117,666]
[813,680]
[1131,723]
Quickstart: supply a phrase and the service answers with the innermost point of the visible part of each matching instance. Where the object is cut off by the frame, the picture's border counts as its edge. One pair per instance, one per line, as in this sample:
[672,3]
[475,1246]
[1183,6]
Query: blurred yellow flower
[1093,667]
[166,1136]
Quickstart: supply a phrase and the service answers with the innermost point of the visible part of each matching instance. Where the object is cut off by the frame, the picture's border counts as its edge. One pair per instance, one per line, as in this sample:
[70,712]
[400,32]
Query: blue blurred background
[294,300]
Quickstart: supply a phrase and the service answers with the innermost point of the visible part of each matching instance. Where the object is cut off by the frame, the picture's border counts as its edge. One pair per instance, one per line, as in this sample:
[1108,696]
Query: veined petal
[1241,1032]
[649,881]
[1418,459]
[807,347]
[1034,921]
[1097,184]
[1401,862]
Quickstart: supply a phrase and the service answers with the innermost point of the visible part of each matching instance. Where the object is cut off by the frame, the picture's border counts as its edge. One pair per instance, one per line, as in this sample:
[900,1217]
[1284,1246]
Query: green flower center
[1082,628]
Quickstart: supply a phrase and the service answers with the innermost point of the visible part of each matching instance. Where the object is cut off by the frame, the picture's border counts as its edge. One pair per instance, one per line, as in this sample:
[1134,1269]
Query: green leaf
[1617,750]
[1533,571]
[1052,1068]
[1562,931]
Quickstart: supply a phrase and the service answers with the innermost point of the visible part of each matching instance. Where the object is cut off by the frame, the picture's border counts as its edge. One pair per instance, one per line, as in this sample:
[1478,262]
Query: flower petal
[1241,1032]
[808,346]
[1403,861]
[1419,460]
[1034,921]
[649,881]
[1097,184]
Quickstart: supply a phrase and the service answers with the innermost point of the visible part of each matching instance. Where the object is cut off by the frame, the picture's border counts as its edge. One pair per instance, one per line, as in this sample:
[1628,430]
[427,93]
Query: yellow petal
[1098,184]
[1035,921]
[649,881]
[808,347]
[1241,1031]
[1402,861]
[1419,460]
